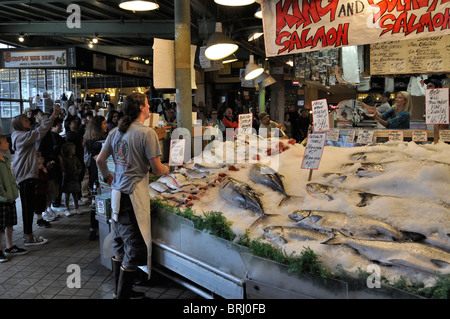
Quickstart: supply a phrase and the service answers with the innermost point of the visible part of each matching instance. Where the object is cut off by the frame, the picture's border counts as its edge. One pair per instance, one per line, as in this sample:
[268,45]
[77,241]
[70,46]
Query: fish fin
[413,235]
[440,263]
[287,198]
[315,218]
[337,239]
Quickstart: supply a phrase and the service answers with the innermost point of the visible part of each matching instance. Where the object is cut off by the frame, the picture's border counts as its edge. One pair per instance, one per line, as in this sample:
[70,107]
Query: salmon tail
[337,239]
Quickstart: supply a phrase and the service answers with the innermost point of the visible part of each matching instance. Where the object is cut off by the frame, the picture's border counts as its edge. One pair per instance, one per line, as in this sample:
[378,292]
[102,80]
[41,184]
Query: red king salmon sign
[293,26]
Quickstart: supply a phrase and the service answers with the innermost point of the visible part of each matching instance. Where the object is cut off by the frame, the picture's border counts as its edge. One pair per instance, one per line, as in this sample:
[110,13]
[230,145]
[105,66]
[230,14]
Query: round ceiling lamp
[219,45]
[234,3]
[252,70]
[138,5]
[258,13]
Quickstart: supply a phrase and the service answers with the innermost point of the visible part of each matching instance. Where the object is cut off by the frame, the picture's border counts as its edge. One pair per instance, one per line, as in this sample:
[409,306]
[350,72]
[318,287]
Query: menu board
[422,55]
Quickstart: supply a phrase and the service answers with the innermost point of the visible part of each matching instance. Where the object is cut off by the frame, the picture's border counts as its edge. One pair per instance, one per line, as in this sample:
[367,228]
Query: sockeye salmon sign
[293,26]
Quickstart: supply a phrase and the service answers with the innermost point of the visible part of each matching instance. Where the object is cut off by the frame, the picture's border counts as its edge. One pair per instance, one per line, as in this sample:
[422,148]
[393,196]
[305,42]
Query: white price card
[419,136]
[313,151]
[320,115]
[333,135]
[444,135]
[395,136]
[351,136]
[365,137]
[176,153]
[245,123]
[436,106]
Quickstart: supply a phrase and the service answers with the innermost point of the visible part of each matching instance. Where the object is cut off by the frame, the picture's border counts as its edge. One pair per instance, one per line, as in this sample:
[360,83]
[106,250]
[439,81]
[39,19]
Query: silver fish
[284,234]
[265,175]
[158,186]
[179,178]
[241,195]
[405,254]
[206,167]
[359,226]
[193,174]
[169,181]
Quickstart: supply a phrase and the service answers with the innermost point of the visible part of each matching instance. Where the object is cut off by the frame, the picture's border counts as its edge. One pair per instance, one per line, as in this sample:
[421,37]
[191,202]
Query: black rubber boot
[116,272]
[125,285]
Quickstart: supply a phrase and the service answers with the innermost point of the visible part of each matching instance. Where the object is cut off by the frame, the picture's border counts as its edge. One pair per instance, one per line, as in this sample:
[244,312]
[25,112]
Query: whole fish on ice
[160,187]
[283,234]
[358,226]
[242,195]
[265,175]
[405,254]
[169,181]
[207,167]
[192,173]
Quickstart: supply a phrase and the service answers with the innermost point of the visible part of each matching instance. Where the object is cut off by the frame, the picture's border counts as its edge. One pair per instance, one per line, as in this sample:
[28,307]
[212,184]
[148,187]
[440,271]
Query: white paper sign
[313,151]
[395,136]
[333,135]
[436,106]
[444,135]
[176,154]
[320,115]
[245,123]
[419,136]
[351,136]
[365,137]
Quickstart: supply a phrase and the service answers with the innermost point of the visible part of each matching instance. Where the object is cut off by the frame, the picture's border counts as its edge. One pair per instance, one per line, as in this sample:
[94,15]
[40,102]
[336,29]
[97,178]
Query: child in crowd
[71,167]
[41,192]
[9,192]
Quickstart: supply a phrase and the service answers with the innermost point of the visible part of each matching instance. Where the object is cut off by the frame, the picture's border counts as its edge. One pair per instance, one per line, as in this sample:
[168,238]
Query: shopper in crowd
[171,116]
[294,118]
[41,192]
[28,112]
[75,136]
[55,173]
[268,127]
[26,169]
[303,123]
[288,125]
[36,114]
[71,168]
[215,122]
[112,119]
[72,114]
[96,132]
[229,123]
[9,191]
[135,149]
[397,117]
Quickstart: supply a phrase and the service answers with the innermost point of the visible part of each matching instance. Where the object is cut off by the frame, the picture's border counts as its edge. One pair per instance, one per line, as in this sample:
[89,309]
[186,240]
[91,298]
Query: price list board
[422,55]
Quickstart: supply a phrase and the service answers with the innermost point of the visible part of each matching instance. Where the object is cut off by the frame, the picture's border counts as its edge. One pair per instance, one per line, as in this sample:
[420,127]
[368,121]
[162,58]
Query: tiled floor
[43,273]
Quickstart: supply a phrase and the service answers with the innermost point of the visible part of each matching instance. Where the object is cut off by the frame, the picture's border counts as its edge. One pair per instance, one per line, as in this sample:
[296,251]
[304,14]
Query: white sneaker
[48,216]
[78,212]
[68,213]
[36,240]
[52,213]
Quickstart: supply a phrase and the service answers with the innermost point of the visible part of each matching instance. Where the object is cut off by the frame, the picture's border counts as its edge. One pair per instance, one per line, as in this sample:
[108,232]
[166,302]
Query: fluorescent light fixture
[138,5]
[252,70]
[258,13]
[234,3]
[229,59]
[219,45]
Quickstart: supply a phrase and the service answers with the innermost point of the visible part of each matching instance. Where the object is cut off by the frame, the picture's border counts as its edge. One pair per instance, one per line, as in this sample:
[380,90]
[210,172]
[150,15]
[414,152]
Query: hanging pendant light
[229,59]
[258,13]
[139,5]
[252,70]
[234,3]
[219,45]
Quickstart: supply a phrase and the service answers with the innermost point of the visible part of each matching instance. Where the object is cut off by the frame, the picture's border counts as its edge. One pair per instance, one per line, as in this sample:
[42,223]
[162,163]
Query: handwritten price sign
[177,149]
[320,115]
[245,123]
[436,106]
[313,151]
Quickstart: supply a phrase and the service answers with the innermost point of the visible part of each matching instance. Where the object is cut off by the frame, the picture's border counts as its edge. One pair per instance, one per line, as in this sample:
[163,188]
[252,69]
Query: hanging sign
[176,153]
[436,106]
[293,26]
[245,123]
[321,121]
[35,59]
[133,68]
[313,151]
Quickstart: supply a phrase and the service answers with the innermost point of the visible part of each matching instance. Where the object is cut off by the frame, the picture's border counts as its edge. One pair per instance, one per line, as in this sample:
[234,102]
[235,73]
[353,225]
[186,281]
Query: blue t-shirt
[399,121]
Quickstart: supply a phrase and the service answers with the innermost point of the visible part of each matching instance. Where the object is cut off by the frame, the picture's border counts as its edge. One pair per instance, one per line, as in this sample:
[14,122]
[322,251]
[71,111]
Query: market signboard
[35,59]
[294,26]
[133,68]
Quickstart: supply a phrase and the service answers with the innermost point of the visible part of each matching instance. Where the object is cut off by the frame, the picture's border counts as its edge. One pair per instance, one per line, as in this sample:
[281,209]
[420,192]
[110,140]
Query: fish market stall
[376,209]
